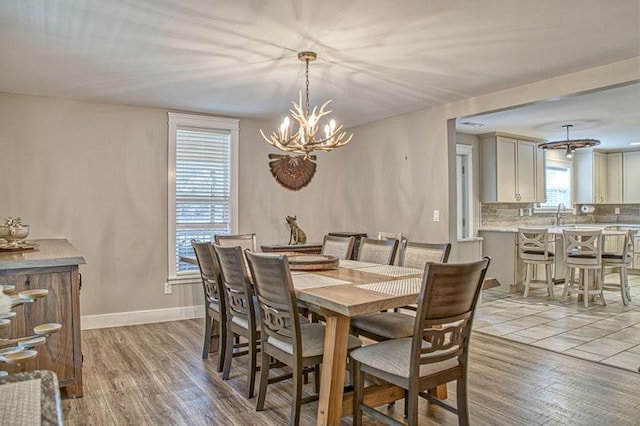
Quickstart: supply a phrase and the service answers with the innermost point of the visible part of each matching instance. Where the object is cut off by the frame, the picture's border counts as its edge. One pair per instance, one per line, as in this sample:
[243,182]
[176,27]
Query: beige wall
[96,174]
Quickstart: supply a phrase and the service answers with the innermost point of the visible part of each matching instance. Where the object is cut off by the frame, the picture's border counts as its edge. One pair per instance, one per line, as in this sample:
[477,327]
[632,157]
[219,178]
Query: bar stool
[583,251]
[622,260]
[533,249]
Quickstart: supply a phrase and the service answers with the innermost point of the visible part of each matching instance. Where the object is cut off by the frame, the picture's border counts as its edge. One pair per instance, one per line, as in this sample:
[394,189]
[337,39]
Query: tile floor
[605,334]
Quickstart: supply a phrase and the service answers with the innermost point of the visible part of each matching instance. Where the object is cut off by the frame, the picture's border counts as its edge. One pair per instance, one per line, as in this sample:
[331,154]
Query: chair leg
[208,329]
[627,290]
[599,285]
[463,409]
[412,411]
[547,271]
[316,378]
[251,379]
[585,287]
[623,294]
[264,380]
[358,391]
[222,344]
[568,282]
[296,395]
[527,280]
[228,356]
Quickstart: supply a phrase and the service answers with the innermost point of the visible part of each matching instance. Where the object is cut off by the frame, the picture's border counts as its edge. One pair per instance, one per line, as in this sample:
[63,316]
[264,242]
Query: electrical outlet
[617,210]
[436,215]
[167,288]
[521,212]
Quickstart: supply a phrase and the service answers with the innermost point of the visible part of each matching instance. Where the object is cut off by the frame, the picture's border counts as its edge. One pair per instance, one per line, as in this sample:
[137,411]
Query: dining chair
[381,326]
[242,317]
[284,336]
[215,308]
[583,251]
[383,235]
[437,352]
[246,241]
[378,251]
[533,249]
[620,259]
[340,247]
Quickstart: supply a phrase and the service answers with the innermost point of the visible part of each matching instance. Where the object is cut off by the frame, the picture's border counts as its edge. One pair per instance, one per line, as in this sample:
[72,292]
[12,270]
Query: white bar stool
[533,249]
[622,260]
[583,251]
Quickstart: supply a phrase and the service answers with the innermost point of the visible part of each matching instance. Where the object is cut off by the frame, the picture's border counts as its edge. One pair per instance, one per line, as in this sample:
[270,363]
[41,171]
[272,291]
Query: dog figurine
[297,235]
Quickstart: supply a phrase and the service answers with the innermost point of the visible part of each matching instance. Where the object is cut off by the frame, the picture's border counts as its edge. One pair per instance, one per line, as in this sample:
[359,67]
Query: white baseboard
[120,319]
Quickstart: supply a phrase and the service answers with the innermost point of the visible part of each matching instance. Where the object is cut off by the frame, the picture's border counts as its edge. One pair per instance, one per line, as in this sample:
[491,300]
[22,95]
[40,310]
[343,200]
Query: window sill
[184,279]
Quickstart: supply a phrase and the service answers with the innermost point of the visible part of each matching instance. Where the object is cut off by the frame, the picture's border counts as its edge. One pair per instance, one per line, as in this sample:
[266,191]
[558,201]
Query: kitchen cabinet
[505,264]
[52,266]
[512,169]
[590,169]
[631,177]
[614,178]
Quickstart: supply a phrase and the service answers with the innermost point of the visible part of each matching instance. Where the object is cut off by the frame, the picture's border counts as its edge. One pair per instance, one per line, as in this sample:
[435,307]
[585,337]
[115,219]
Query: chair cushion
[390,325]
[537,252]
[617,256]
[312,337]
[214,306]
[393,356]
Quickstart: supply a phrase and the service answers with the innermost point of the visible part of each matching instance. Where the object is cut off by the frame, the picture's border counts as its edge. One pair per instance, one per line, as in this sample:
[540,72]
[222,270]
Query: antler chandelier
[570,145]
[301,134]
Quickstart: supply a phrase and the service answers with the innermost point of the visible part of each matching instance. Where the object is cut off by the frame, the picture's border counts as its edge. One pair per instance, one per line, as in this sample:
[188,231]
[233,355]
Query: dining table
[353,288]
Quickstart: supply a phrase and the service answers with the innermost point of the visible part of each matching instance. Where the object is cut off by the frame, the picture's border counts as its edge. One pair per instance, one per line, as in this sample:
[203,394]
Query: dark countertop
[54,252]
[19,406]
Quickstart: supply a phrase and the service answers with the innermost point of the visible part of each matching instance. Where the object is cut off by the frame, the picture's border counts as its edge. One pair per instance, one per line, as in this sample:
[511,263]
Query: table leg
[334,365]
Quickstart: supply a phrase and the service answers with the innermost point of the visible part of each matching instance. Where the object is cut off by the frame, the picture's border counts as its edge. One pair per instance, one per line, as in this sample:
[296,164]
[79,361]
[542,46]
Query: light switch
[436,215]
[617,210]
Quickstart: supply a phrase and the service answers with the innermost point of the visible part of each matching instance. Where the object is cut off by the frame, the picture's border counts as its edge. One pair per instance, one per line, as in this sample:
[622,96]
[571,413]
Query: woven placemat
[303,281]
[391,270]
[395,288]
[354,264]
[20,403]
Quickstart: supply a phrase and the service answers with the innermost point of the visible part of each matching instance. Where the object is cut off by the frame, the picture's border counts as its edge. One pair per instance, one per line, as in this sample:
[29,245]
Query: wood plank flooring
[153,374]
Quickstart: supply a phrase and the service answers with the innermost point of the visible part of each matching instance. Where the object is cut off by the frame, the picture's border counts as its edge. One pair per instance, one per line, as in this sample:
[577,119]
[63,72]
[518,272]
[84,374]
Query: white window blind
[558,181]
[203,188]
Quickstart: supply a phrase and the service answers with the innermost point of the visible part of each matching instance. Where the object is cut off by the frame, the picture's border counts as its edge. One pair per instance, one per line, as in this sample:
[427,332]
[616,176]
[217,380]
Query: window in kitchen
[202,187]
[558,182]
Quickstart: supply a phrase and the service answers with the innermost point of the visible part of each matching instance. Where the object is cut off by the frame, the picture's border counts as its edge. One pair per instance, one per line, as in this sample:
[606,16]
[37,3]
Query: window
[202,185]
[558,182]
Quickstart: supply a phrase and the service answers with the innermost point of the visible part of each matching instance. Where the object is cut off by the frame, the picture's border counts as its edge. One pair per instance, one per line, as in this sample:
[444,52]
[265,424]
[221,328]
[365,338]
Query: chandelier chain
[306,76]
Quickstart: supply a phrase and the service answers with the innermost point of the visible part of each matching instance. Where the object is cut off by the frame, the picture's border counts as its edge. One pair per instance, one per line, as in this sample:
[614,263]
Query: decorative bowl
[13,233]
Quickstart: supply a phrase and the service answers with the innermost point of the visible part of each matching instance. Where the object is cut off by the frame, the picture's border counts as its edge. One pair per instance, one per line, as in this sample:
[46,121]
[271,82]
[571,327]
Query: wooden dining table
[353,289]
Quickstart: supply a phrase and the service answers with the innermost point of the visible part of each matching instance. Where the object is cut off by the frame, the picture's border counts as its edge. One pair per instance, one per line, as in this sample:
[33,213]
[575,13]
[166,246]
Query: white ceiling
[377,58]
[612,116]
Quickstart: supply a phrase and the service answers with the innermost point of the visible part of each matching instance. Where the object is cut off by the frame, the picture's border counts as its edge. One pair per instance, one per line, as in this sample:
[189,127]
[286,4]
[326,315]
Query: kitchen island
[52,265]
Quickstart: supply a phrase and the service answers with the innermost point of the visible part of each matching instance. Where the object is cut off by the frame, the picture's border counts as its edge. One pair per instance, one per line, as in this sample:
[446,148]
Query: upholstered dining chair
[533,249]
[416,255]
[284,336]
[378,251]
[381,326]
[242,319]
[438,351]
[215,308]
[583,251]
[340,247]
[245,241]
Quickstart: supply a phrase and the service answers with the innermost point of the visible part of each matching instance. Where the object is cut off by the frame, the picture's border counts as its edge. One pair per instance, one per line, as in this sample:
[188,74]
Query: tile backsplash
[499,214]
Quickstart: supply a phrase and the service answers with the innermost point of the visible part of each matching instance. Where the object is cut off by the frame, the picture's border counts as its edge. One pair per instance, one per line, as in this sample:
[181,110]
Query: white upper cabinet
[614,178]
[631,173]
[512,169]
[590,170]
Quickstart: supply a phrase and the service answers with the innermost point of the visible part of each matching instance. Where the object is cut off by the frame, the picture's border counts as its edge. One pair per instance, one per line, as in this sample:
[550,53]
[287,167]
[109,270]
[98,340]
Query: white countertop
[556,229]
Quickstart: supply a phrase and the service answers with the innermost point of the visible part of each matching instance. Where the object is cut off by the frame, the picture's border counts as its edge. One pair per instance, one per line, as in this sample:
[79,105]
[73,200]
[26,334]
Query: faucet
[558,218]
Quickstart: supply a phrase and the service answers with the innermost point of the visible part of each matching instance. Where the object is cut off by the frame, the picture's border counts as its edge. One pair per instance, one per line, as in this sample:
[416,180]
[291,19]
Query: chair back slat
[245,241]
[533,244]
[377,251]
[237,286]
[448,298]
[340,247]
[583,247]
[416,255]
[276,297]
[209,272]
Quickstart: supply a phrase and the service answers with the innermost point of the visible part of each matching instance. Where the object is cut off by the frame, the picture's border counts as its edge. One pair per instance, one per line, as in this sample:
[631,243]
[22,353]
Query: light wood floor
[154,374]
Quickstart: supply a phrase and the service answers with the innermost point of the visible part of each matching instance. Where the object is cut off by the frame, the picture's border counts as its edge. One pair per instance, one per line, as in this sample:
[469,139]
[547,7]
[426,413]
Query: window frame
[177,120]
[558,162]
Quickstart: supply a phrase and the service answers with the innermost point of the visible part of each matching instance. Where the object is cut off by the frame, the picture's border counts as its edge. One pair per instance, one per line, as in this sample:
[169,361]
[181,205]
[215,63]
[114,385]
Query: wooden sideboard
[53,266]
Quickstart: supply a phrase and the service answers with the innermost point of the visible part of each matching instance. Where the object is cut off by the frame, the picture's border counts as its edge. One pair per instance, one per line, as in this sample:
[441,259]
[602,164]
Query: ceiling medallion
[570,145]
[299,134]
